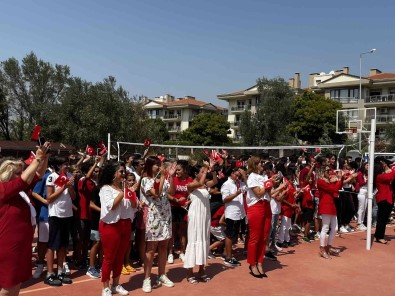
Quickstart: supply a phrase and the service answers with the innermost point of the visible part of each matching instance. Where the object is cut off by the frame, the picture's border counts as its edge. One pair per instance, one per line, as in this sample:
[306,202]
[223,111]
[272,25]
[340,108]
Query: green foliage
[157,130]
[390,136]
[268,125]
[314,119]
[207,129]
[32,89]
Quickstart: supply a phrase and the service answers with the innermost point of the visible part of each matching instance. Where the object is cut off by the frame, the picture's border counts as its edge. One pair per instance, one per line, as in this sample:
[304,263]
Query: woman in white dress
[198,222]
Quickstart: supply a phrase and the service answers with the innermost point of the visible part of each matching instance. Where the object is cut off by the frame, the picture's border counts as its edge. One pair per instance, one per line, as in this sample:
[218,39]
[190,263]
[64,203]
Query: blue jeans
[273,229]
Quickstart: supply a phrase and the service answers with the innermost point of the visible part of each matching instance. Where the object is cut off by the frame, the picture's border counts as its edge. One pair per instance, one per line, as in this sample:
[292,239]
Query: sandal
[205,278]
[192,280]
[324,255]
[382,241]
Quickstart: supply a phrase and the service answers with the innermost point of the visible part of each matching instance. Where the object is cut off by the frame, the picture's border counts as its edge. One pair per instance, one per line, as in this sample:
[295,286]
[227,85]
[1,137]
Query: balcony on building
[235,124]
[174,129]
[172,117]
[378,99]
[240,108]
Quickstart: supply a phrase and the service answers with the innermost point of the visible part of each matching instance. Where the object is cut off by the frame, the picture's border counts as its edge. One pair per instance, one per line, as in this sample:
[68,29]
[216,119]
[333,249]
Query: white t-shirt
[61,207]
[234,209]
[255,180]
[123,211]
[275,206]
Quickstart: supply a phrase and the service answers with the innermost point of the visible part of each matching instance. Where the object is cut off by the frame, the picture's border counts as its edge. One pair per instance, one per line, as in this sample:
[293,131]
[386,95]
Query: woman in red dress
[17,217]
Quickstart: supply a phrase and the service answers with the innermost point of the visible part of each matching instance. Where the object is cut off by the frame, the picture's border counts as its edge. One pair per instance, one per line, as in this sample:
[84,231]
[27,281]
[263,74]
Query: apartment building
[247,99]
[178,113]
[378,90]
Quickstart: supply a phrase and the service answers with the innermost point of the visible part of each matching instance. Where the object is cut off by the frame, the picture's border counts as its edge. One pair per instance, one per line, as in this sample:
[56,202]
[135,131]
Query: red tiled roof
[186,102]
[382,76]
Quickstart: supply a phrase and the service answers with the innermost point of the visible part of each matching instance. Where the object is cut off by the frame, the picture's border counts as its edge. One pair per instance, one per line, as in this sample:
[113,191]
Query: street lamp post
[360,88]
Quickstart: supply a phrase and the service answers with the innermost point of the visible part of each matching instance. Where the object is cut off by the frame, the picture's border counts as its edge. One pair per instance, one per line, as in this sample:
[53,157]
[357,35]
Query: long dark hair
[378,169]
[107,174]
[149,163]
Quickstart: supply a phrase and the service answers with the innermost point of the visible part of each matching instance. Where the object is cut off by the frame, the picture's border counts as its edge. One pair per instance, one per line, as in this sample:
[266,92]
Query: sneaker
[269,255]
[106,292]
[64,278]
[130,268]
[306,239]
[284,245]
[164,280]
[119,290]
[343,230]
[210,255]
[39,271]
[349,228]
[66,269]
[317,235]
[222,257]
[362,227]
[232,262]
[182,257]
[93,273]
[170,259]
[52,280]
[147,285]
[124,271]
[278,246]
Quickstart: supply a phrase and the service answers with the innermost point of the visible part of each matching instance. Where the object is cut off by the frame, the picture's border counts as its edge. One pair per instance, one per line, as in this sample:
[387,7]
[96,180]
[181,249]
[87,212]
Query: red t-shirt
[85,188]
[217,216]
[287,210]
[181,191]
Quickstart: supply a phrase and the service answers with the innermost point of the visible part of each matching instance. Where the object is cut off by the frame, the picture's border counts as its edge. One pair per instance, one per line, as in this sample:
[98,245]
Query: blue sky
[199,48]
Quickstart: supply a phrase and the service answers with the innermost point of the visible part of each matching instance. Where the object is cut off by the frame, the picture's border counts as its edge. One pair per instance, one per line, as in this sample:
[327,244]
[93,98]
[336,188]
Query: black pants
[383,215]
[347,208]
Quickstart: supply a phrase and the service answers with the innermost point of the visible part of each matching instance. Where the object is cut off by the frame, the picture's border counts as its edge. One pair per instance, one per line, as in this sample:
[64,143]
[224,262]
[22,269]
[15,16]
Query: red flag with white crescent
[61,180]
[129,194]
[90,150]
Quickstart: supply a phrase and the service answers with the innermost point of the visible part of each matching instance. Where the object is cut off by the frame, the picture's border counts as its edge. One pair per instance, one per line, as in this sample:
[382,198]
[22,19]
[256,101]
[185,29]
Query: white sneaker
[349,229]
[147,285]
[182,257]
[119,290]
[362,227]
[343,229]
[106,292]
[170,259]
[317,235]
[164,280]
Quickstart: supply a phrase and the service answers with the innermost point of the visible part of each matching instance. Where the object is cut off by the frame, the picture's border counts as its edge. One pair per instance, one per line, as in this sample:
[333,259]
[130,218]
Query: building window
[344,93]
[375,92]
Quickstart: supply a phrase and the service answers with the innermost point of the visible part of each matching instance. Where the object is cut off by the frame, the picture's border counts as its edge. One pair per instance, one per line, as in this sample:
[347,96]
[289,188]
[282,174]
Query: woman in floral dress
[154,188]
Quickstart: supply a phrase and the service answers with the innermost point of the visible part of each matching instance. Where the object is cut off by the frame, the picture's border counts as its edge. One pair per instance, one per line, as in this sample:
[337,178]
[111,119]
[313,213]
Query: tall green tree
[32,88]
[314,116]
[4,116]
[207,129]
[268,124]
[157,130]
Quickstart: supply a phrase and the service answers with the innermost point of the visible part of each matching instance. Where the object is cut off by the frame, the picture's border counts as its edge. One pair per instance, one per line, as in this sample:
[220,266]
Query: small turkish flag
[147,143]
[130,195]
[102,149]
[61,180]
[161,157]
[90,150]
[317,150]
[30,159]
[239,163]
[268,184]
[36,132]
